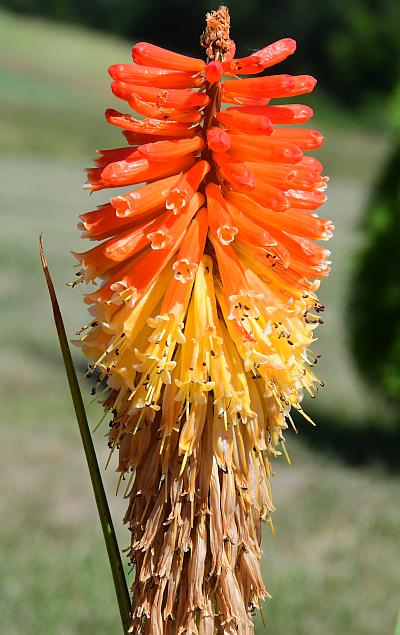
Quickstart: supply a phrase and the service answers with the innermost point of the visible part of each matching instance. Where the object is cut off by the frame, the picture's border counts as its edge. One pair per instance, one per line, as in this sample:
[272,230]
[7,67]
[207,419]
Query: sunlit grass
[54,87]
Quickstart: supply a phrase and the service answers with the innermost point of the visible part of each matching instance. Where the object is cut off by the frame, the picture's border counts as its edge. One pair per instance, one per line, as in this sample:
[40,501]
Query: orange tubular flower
[203,315]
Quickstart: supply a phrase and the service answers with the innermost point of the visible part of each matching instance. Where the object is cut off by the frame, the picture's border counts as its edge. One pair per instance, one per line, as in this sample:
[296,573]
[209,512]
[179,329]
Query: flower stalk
[203,315]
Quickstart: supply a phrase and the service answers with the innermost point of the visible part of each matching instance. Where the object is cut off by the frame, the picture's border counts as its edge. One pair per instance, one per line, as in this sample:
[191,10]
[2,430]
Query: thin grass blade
[114,555]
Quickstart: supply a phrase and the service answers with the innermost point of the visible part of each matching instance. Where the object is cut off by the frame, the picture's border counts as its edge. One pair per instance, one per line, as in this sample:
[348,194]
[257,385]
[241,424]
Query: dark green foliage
[353,47]
[374,312]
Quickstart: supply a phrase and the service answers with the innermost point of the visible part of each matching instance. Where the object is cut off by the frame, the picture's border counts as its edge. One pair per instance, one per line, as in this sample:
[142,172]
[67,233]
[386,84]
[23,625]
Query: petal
[233,171]
[219,217]
[130,172]
[247,147]
[165,97]
[143,273]
[171,150]
[189,255]
[287,113]
[144,200]
[305,200]
[104,157]
[286,176]
[264,58]
[302,137]
[102,222]
[238,121]
[148,54]
[139,138]
[294,221]
[310,162]
[150,126]
[251,232]
[214,72]
[98,260]
[155,77]
[158,112]
[302,84]
[244,101]
[270,196]
[218,139]
[179,195]
[270,86]
[230,269]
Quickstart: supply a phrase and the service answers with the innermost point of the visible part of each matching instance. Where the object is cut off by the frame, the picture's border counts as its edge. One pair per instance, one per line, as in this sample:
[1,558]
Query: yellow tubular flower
[203,316]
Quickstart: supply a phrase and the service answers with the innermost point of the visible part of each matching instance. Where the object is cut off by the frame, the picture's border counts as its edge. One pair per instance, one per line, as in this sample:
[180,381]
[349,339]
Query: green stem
[114,555]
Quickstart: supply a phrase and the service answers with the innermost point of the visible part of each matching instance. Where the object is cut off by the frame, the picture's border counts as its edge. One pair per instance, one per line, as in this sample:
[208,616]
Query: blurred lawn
[333,567]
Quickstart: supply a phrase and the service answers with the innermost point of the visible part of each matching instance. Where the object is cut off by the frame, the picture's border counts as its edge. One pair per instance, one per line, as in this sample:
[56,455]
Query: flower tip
[120,206]
[184,270]
[226,234]
[293,153]
[308,83]
[291,45]
[318,140]
[77,255]
[138,48]
[229,55]
[113,70]
[218,139]
[144,53]
[214,71]
[110,112]
[120,90]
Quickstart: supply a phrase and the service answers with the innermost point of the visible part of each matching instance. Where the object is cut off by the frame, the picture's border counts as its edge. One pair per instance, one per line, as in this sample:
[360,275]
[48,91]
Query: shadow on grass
[355,445]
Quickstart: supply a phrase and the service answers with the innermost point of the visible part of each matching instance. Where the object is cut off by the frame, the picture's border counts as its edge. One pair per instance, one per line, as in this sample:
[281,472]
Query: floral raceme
[204,311]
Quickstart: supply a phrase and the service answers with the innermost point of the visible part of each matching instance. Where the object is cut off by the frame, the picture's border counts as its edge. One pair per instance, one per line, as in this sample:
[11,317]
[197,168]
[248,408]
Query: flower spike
[205,309]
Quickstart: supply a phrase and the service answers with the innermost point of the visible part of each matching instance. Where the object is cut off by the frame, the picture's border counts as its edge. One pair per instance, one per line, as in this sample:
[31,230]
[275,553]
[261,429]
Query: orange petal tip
[214,71]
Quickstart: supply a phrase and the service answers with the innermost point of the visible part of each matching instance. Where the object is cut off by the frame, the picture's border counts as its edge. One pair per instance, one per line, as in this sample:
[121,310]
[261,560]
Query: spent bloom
[203,314]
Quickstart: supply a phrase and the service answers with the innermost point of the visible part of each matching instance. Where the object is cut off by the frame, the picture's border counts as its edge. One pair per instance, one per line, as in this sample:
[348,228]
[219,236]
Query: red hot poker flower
[204,312]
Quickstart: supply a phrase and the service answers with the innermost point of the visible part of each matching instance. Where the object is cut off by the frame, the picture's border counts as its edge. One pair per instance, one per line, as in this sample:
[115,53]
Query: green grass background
[333,566]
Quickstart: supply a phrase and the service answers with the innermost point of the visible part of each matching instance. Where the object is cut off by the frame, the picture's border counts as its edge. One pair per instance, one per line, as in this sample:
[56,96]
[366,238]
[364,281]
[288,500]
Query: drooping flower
[203,316]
